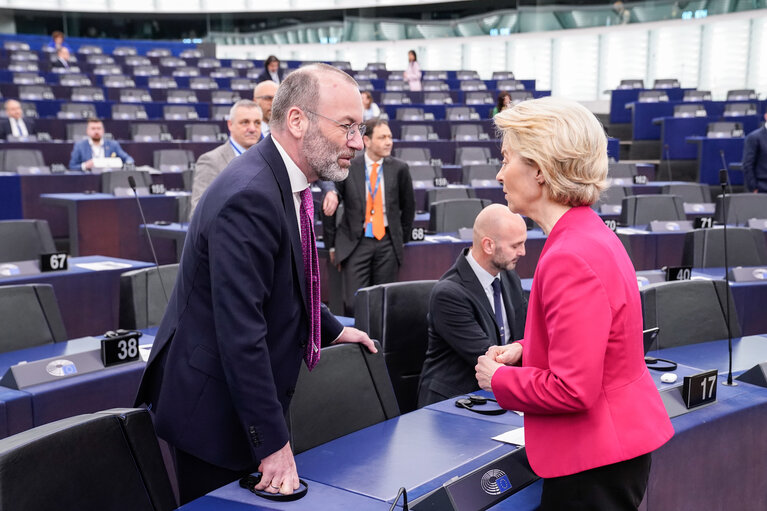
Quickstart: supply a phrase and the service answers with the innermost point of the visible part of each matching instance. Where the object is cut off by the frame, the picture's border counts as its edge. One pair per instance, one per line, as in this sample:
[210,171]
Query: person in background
[16,124]
[579,372]
[272,71]
[244,123]
[755,160]
[504,101]
[476,304]
[94,146]
[263,95]
[62,59]
[369,109]
[379,209]
[57,41]
[412,74]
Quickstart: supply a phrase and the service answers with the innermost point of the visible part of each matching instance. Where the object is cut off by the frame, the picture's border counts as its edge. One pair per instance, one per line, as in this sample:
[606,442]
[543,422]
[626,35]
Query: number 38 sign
[119,348]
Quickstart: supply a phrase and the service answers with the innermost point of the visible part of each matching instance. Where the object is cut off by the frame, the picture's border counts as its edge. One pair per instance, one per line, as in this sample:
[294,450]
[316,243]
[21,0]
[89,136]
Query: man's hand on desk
[278,472]
[351,335]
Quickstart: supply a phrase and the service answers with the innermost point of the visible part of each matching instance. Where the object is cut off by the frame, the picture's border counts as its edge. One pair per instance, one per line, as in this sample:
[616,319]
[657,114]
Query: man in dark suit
[95,146]
[62,60]
[478,303]
[16,124]
[244,125]
[271,71]
[379,208]
[755,160]
[245,309]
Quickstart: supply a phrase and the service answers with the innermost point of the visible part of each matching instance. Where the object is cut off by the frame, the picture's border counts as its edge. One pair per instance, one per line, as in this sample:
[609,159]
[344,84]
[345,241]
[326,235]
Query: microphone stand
[132,184]
[723,178]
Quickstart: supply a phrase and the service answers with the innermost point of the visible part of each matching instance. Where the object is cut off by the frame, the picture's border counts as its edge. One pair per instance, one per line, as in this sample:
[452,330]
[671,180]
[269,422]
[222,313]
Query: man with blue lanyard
[244,124]
[379,208]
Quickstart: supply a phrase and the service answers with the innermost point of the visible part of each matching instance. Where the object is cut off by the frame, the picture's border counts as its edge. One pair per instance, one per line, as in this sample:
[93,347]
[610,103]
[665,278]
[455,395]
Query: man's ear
[296,122]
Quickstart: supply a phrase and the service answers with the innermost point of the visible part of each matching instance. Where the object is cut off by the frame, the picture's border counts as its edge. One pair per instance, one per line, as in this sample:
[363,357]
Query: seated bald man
[478,303]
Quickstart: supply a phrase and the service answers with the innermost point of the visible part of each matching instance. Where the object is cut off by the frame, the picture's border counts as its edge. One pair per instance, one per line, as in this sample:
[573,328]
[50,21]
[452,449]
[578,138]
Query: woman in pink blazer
[592,412]
[412,74]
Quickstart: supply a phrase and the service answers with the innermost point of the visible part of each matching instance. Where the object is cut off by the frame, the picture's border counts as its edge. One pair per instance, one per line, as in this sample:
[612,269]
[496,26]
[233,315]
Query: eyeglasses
[351,129]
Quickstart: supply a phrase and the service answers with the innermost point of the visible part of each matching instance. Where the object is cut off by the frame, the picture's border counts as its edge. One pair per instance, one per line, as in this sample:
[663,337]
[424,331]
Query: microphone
[723,177]
[668,162]
[727,174]
[402,493]
[132,184]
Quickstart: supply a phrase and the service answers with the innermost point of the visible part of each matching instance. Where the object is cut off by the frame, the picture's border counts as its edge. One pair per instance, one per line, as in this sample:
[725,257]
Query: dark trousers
[196,477]
[617,487]
[372,262]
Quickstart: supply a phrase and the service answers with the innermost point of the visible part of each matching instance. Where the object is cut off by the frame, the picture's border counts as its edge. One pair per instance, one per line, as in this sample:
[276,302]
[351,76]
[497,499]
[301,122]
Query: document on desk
[442,238]
[103,265]
[515,436]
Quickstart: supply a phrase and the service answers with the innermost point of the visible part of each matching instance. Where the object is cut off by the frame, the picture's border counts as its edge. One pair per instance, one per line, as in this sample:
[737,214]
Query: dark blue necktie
[498,303]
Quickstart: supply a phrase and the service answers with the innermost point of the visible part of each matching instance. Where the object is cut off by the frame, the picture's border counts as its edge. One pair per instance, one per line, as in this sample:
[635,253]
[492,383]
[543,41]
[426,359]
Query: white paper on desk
[144,350]
[631,230]
[515,436]
[438,239]
[103,265]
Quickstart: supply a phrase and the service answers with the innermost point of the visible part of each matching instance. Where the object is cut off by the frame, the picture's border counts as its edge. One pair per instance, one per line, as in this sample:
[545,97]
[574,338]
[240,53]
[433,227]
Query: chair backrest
[395,314]
[76,130]
[128,112]
[24,240]
[724,129]
[30,317]
[12,159]
[471,155]
[473,85]
[142,301]
[689,192]
[457,113]
[689,110]
[423,175]
[172,160]
[116,182]
[87,94]
[612,196]
[147,131]
[117,465]
[410,114]
[509,85]
[452,215]
[348,390]
[202,132]
[414,155]
[478,98]
[652,96]
[440,194]
[466,131]
[697,95]
[393,98]
[739,109]
[621,170]
[643,209]
[687,312]
[740,207]
[666,83]
[704,248]
[179,112]
[467,74]
[481,172]
[741,94]
[416,132]
[631,83]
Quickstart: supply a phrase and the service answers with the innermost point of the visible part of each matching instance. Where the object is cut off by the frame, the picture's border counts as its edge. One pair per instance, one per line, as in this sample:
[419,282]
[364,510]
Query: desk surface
[89,299]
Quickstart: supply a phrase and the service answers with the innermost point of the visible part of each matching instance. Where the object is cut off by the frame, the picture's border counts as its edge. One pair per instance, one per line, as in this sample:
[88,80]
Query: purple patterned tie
[312,274]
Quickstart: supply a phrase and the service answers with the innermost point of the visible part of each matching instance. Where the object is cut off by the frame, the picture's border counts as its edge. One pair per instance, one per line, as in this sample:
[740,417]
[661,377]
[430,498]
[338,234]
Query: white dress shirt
[486,281]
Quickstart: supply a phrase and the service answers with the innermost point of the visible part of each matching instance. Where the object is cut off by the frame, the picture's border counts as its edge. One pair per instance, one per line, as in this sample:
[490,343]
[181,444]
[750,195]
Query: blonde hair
[565,141]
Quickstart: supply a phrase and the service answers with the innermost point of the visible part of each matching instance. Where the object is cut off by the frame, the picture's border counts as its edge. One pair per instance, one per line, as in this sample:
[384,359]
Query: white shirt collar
[100,143]
[485,278]
[298,181]
[369,161]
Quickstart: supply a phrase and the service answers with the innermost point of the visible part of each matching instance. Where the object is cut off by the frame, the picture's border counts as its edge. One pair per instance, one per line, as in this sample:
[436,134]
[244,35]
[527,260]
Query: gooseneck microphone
[668,162]
[132,184]
[726,173]
[723,177]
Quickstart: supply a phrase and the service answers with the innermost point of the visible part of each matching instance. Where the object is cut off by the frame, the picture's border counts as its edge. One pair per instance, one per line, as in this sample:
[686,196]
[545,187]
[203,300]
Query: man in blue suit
[244,312]
[95,147]
[755,160]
